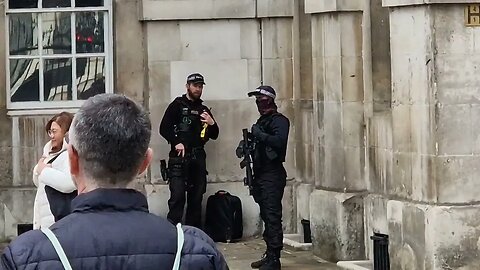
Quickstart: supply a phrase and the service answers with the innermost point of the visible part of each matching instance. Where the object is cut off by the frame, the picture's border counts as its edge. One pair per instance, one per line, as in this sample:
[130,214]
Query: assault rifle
[247,152]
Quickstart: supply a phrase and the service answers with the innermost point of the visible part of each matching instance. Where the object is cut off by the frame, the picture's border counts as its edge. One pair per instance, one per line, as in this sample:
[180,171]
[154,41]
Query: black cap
[263,90]
[195,78]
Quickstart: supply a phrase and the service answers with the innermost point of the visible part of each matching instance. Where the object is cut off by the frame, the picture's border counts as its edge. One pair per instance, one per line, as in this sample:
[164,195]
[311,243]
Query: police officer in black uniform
[271,134]
[187,125]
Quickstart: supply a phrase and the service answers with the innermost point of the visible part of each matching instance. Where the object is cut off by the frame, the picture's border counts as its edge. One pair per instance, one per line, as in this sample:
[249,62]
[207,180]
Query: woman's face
[56,135]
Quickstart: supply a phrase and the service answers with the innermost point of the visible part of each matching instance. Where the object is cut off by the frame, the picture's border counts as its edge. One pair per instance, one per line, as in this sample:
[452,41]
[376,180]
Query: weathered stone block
[129,51]
[451,35]
[304,141]
[6,172]
[215,72]
[351,33]
[334,168]
[457,178]
[318,39]
[411,78]
[475,109]
[318,79]
[454,233]
[159,84]
[375,219]
[275,8]
[454,130]
[314,6]
[402,141]
[250,44]
[424,123]
[457,86]
[332,35]
[277,38]
[380,131]
[161,49]
[353,124]
[289,216]
[410,30]
[380,169]
[429,237]
[401,182]
[381,60]
[332,125]
[380,153]
[424,178]
[352,79]
[17,207]
[333,91]
[337,228]
[278,73]
[355,169]
[408,245]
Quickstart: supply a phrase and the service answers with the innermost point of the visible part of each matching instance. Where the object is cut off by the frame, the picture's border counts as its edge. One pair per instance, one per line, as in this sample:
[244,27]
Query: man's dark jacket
[112,229]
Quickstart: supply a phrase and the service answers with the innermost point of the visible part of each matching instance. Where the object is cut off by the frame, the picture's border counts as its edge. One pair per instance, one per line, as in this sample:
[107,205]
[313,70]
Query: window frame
[108,54]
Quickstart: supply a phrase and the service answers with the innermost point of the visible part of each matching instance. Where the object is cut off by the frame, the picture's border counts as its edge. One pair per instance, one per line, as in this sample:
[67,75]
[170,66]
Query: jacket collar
[110,199]
[198,101]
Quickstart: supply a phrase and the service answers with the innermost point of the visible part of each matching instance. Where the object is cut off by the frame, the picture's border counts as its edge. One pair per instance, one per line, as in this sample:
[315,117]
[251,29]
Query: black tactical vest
[190,126]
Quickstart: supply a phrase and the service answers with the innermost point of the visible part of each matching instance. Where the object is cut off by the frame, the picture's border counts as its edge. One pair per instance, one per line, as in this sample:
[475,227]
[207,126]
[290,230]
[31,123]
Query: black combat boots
[259,263]
[269,261]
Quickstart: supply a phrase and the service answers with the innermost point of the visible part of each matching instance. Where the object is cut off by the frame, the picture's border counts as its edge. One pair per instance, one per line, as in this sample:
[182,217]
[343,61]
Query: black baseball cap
[195,78]
[264,90]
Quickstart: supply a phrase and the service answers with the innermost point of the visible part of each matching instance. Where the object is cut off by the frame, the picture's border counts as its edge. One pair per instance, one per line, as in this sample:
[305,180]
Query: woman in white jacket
[53,169]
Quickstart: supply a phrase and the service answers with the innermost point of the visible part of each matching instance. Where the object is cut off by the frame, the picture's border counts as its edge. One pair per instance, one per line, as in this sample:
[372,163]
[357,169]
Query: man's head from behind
[109,139]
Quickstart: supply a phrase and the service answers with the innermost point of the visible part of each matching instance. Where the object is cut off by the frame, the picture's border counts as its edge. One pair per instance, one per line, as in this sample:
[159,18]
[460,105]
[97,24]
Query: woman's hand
[41,165]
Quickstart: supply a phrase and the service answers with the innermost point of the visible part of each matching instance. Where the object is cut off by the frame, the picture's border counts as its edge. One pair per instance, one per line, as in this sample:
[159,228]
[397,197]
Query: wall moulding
[399,3]
[322,6]
[173,10]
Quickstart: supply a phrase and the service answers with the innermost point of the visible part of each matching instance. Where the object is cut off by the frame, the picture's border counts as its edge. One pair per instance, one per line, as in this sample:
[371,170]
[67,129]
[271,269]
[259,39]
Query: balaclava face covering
[266,106]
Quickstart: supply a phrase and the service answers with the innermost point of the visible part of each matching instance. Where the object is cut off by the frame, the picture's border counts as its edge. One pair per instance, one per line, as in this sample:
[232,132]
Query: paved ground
[240,255]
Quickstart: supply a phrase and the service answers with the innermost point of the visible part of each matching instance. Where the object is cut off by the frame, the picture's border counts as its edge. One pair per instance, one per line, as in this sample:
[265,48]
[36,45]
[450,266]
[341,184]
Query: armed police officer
[187,125]
[270,134]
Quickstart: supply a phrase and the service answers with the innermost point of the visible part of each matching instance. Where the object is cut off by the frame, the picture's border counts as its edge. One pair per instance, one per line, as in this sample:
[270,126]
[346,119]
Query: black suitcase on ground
[223,220]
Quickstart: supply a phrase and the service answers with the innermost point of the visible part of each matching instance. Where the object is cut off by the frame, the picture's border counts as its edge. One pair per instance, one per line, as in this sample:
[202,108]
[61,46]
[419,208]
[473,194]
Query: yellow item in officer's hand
[204,130]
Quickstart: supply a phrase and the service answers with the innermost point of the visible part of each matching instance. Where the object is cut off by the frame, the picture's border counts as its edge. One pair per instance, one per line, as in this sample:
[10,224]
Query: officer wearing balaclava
[271,135]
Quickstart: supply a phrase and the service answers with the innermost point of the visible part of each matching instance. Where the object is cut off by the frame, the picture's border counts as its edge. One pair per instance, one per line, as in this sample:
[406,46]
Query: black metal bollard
[307,233]
[22,228]
[381,260]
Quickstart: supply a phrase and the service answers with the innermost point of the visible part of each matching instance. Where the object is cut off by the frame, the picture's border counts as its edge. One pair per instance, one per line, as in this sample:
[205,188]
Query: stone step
[356,265]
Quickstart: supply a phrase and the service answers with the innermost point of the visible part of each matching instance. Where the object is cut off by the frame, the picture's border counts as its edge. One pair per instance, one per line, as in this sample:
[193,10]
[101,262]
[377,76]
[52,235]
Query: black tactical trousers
[268,188]
[193,183]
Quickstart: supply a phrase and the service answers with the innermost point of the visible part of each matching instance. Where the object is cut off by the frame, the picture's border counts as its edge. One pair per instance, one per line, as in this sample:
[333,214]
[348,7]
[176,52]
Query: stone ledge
[399,3]
[316,6]
[151,10]
[356,265]
[167,10]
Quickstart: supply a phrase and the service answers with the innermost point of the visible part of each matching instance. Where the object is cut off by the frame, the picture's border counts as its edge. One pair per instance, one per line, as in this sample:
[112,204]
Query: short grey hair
[111,134]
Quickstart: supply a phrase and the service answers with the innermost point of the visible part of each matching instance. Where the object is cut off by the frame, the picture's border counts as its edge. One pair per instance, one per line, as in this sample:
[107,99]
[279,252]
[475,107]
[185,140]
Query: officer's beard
[266,106]
[192,95]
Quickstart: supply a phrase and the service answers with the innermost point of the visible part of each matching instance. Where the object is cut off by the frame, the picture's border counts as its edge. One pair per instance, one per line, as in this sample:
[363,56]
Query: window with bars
[59,52]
